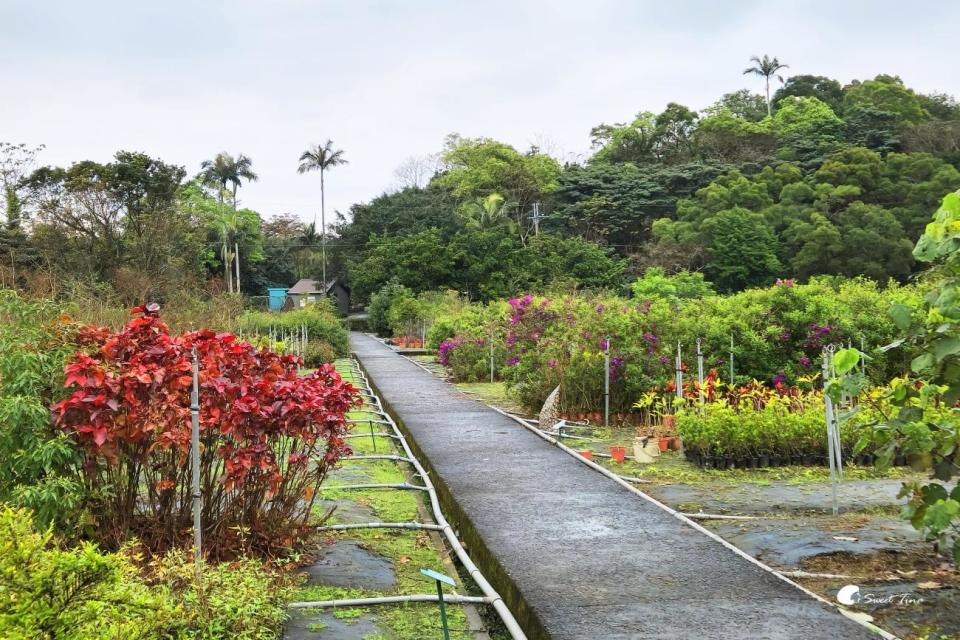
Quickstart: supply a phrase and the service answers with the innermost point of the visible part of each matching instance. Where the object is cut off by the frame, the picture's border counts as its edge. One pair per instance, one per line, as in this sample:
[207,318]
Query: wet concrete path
[573,553]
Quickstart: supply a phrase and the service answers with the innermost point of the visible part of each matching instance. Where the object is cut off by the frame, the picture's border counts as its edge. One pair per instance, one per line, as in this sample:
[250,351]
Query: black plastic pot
[900,460]
[707,462]
[763,461]
[796,460]
[807,459]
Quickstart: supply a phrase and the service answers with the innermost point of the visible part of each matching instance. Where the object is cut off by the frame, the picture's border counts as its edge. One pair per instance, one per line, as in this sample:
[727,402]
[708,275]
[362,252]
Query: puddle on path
[784,543]
[347,564]
[853,495]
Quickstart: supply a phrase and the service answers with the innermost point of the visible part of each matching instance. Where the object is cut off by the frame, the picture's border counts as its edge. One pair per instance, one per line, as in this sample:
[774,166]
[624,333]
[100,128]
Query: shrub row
[48,591]
[778,332]
[320,319]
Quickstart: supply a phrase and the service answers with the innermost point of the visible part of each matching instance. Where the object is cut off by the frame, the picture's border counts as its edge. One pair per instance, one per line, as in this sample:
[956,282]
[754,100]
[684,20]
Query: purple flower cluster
[817,337]
[446,348]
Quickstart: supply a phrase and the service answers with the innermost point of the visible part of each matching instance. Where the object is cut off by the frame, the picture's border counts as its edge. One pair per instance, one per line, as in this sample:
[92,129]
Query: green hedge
[321,321]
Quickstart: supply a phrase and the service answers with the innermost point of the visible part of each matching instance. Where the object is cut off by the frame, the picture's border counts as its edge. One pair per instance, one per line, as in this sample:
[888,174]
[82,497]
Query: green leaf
[921,362]
[900,313]
[846,359]
[940,514]
[933,492]
[946,347]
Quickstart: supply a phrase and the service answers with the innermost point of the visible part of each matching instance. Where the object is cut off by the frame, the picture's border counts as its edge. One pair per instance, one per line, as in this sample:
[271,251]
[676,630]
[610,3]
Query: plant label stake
[195,457]
[731,359]
[491,358]
[440,580]
[700,369]
[373,438]
[679,380]
[606,385]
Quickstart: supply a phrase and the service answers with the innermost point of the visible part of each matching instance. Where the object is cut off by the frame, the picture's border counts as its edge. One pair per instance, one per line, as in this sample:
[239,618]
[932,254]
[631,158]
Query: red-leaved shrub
[268,436]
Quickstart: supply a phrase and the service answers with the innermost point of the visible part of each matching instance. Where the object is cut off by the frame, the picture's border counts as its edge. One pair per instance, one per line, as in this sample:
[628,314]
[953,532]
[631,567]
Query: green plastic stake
[440,580]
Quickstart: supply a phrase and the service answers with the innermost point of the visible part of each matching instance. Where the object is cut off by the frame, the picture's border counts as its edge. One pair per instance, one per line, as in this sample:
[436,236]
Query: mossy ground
[409,550]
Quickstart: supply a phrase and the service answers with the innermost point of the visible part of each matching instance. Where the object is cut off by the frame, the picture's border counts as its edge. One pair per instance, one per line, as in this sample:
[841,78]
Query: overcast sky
[390,79]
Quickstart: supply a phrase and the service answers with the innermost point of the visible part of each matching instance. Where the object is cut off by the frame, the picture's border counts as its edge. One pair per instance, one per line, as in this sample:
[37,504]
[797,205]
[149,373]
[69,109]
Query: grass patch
[492,393]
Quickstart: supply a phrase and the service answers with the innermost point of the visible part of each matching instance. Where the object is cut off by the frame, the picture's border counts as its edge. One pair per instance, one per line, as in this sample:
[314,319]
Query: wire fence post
[606,383]
[829,415]
[731,359]
[195,459]
[700,368]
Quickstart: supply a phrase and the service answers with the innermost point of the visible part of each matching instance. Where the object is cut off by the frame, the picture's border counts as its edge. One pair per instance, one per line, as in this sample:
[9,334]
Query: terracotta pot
[596,416]
[674,444]
[586,453]
[669,422]
[664,443]
[618,453]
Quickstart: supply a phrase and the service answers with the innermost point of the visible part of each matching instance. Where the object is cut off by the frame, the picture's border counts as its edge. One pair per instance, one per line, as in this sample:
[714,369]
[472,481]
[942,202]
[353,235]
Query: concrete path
[573,553]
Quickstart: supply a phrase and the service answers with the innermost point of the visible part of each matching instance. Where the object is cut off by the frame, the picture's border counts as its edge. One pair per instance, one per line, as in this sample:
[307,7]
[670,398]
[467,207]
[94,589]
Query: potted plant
[618,453]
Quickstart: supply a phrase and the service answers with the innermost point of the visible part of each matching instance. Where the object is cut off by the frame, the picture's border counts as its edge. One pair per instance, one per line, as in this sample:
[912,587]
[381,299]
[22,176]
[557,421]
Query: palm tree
[223,169]
[482,213]
[320,158]
[767,68]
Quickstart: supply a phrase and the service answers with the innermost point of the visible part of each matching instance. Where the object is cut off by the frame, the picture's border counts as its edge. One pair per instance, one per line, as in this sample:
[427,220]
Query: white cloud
[389,79]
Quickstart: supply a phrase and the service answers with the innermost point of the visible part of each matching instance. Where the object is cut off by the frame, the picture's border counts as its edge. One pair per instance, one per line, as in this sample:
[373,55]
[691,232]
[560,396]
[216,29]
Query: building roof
[306,286]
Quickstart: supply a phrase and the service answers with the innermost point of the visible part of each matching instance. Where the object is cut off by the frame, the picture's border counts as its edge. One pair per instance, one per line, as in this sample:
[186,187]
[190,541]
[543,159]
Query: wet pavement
[307,624]
[746,498]
[347,564]
[783,544]
[573,553]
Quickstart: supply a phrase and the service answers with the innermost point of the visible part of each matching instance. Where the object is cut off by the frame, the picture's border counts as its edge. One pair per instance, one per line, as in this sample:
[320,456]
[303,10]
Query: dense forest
[821,178]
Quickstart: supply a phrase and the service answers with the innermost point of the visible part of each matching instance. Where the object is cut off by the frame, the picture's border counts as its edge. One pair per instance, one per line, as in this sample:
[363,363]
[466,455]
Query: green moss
[410,550]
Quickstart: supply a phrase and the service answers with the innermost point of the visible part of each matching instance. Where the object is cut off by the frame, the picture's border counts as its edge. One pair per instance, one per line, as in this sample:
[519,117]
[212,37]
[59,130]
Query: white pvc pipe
[362,602]
[380,525]
[492,597]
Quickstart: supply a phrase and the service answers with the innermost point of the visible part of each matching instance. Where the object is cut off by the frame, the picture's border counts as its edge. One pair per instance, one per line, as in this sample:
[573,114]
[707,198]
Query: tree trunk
[769,112]
[227,271]
[236,257]
[323,228]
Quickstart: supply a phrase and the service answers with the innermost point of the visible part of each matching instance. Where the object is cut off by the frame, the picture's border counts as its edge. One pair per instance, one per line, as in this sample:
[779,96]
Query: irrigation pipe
[380,525]
[710,534]
[375,485]
[383,457]
[716,516]
[362,602]
[367,435]
[490,594]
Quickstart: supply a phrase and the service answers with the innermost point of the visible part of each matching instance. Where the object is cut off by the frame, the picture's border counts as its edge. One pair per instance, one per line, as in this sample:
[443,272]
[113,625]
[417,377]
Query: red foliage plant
[268,436]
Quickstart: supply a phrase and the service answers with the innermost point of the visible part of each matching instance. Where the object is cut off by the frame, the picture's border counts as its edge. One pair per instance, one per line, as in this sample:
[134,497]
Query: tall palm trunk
[236,245]
[769,112]
[225,253]
[323,228]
